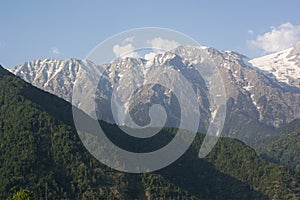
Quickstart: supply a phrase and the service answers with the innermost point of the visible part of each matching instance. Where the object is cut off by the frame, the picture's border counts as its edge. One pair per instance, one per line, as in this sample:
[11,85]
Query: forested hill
[286,149]
[40,151]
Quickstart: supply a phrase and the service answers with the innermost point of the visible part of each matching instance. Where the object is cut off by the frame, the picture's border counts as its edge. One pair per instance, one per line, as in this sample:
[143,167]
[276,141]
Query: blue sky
[70,29]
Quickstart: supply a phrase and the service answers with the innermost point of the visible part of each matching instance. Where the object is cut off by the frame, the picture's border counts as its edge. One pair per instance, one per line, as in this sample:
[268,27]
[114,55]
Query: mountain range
[263,94]
[40,151]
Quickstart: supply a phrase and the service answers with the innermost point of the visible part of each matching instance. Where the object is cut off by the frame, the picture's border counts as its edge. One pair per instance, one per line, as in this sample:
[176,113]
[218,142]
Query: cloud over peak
[279,38]
[56,51]
[123,51]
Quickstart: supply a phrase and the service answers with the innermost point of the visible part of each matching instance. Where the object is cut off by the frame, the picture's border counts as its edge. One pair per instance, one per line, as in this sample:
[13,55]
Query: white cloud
[160,45]
[126,48]
[124,51]
[279,38]
[128,40]
[251,32]
[56,51]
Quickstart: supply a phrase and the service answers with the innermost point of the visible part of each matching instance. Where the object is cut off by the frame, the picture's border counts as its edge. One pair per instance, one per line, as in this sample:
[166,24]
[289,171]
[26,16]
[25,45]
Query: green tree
[22,195]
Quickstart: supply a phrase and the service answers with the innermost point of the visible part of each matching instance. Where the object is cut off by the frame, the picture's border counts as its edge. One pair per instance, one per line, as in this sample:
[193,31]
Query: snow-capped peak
[284,66]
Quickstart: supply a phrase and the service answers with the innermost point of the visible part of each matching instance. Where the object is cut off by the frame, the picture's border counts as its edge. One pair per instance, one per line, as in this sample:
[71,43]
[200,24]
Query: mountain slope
[286,149]
[257,104]
[284,66]
[40,151]
[56,75]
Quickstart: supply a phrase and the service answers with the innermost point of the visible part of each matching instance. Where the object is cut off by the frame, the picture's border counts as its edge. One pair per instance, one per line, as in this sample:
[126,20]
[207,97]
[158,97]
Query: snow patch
[279,65]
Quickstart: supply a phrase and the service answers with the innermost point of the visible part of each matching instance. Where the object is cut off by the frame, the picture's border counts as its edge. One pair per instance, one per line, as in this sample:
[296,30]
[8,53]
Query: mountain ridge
[255,100]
